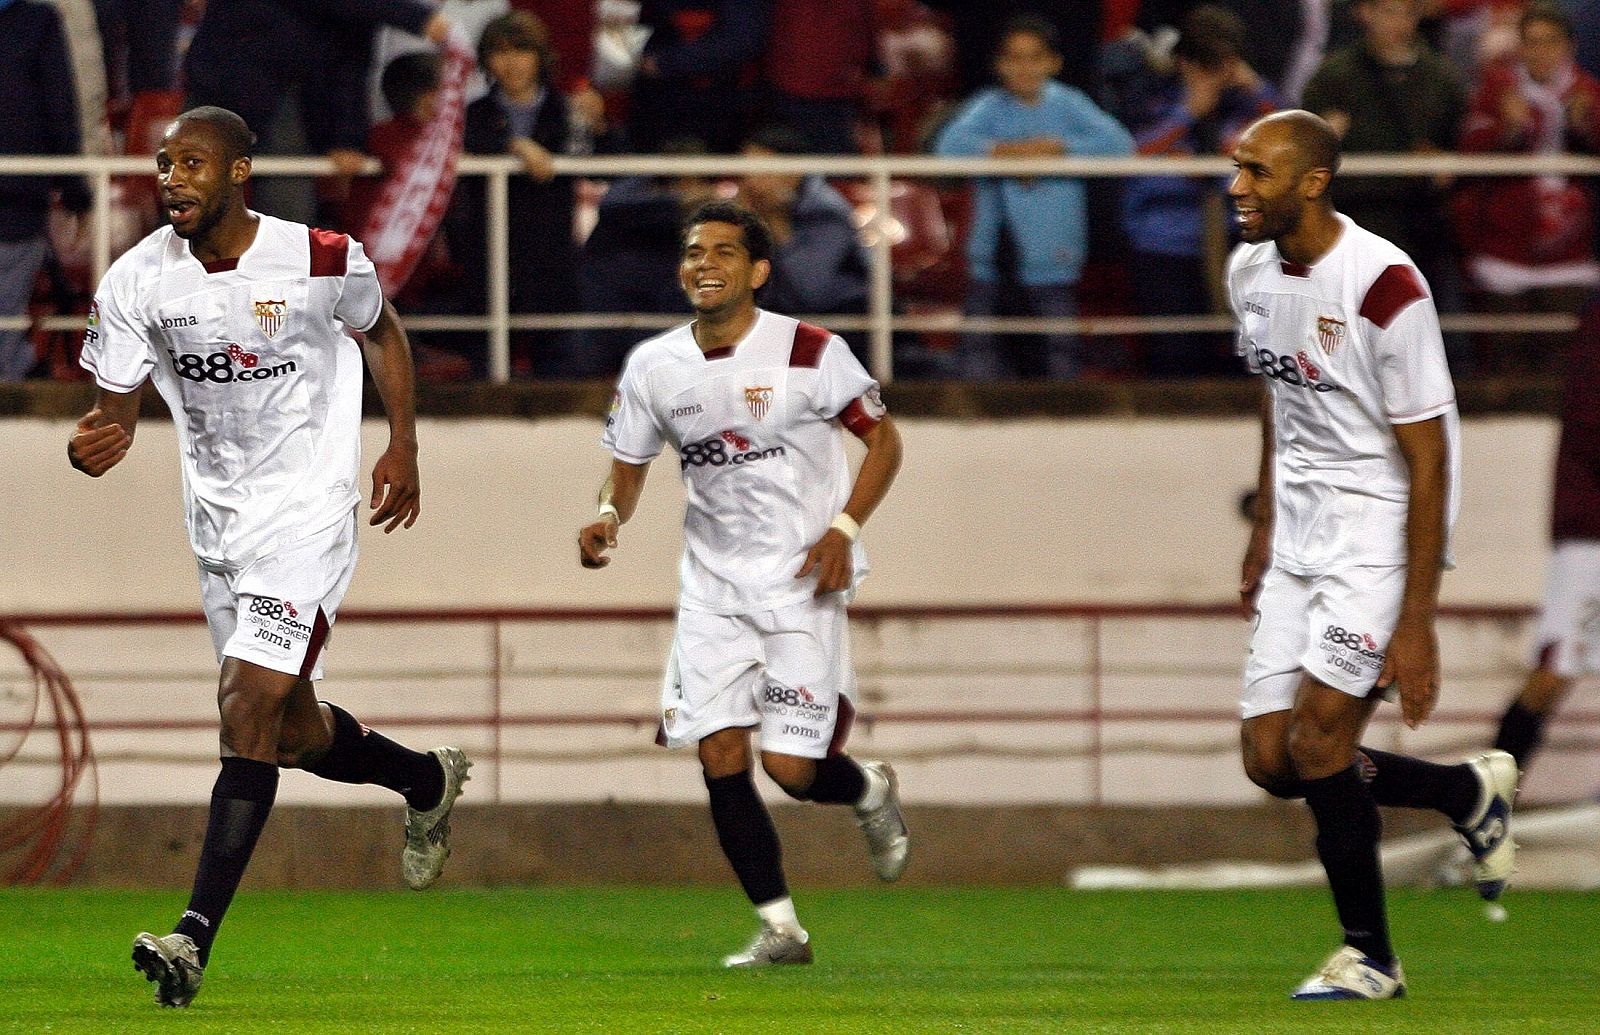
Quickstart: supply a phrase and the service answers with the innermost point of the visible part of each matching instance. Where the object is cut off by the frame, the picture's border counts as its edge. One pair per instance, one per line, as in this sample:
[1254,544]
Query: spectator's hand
[539,162]
[1339,120]
[1202,89]
[1241,76]
[1515,111]
[438,29]
[347,161]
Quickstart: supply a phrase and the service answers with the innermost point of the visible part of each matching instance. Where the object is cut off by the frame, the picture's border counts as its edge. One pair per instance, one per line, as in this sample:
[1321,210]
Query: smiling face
[715,270]
[199,180]
[1270,190]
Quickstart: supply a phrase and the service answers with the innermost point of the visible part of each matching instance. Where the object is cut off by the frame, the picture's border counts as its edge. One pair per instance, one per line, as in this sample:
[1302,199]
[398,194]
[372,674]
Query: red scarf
[417,190]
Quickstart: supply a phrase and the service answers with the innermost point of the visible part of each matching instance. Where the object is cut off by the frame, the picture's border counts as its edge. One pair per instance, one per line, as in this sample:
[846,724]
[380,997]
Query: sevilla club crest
[1330,333]
[759,400]
[269,315]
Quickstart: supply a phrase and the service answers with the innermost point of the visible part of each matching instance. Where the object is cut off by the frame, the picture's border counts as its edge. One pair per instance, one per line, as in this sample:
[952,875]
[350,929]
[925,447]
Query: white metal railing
[880,321]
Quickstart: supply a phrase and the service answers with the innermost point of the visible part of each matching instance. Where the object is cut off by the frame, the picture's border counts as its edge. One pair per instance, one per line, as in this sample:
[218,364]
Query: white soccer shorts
[276,611]
[1334,627]
[1567,642]
[786,671]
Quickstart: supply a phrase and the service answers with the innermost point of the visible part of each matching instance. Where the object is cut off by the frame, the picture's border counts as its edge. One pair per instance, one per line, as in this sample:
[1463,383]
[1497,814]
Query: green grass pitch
[900,960]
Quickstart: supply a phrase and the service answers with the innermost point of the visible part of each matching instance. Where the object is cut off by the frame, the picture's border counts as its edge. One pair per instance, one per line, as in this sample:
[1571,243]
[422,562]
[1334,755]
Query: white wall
[1041,510]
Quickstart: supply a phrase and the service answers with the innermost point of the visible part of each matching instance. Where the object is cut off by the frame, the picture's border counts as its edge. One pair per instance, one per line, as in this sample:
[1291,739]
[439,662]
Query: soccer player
[1567,644]
[239,319]
[1357,496]
[752,403]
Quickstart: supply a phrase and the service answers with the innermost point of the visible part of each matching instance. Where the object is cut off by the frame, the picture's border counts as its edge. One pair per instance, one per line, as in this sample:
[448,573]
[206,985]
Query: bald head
[1309,137]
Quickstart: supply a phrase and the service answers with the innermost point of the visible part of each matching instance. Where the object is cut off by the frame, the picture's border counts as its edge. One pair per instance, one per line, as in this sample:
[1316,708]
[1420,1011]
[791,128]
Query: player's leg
[806,715]
[1324,729]
[750,843]
[1521,731]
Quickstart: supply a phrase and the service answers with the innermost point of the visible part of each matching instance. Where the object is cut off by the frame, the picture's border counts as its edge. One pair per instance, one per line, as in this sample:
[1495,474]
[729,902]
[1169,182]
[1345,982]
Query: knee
[794,775]
[1315,750]
[1277,780]
[724,755]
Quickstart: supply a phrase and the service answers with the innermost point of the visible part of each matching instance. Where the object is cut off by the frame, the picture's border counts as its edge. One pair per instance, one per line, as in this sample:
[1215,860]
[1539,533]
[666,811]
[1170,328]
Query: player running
[239,319]
[1358,493]
[752,402]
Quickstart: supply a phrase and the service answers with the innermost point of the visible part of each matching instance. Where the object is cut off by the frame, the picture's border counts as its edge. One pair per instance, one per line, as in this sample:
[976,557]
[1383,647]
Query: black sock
[1521,733]
[1411,783]
[360,755]
[241,800]
[748,839]
[839,781]
[1347,842]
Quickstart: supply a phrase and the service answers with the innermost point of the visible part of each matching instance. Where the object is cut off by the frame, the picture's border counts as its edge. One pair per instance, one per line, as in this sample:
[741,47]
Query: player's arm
[619,496]
[1411,663]
[1258,554]
[830,555]
[396,483]
[104,434]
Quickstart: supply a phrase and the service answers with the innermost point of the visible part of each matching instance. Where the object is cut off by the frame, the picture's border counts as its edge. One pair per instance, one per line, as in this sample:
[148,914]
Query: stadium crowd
[359,79]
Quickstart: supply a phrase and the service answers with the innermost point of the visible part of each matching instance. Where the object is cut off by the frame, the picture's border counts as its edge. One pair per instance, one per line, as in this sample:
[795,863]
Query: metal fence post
[499,277]
[881,297]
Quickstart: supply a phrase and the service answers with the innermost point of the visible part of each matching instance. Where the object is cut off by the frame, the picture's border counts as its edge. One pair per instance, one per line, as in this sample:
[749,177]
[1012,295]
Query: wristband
[607,508]
[848,525]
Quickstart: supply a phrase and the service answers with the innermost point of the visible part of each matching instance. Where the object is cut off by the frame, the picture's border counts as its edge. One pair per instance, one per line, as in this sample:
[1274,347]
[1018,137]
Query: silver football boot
[428,833]
[173,963]
[888,841]
[771,947]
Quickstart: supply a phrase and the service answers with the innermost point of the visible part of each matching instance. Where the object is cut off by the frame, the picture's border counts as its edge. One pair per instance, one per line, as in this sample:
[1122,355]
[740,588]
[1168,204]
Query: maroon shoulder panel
[329,253]
[1396,287]
[809,341]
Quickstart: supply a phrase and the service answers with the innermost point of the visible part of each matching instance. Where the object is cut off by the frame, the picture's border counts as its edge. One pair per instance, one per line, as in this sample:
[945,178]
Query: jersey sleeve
[631,433]
[1241,341]
[360,296]
[845,390]
[116,342]
[1412,369]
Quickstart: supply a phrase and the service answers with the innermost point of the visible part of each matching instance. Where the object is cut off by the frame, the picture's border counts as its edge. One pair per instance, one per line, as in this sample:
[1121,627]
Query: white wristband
[848,525]
[607,508]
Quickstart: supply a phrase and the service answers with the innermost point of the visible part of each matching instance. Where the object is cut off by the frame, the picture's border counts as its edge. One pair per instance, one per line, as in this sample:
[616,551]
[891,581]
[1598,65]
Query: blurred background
[1015,214]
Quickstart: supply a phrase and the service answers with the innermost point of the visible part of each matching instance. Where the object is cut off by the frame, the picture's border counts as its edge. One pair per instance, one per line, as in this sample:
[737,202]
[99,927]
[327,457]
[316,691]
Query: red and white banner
[417,191]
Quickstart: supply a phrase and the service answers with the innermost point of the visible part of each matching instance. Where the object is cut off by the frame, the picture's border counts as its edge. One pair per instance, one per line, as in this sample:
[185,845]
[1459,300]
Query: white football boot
[1350,975]
[428,833]
[772,947]
[1488,832]
[888,841]
[173,963]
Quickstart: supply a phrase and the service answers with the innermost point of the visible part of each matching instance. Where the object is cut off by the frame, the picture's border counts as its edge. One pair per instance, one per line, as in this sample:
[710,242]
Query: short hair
[409,78]
[779,139]
[1030,25]
[757,238]
[1313,139]
[518,30]
[237,140]
[1549,13]
[1210,36]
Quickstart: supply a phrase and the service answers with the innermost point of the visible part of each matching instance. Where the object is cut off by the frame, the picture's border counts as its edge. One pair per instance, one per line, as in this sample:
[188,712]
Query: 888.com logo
[228,366]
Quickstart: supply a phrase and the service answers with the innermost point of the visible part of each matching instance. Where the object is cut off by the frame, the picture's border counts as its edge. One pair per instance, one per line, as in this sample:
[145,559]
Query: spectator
[41,118]
[1530,241]
[1176,226]
[523,115]
[140,41]
[1392,93]
[818,266]
[697,74]
[818,68]
[252,56]
[1033,230]
[978,27]
[630,260]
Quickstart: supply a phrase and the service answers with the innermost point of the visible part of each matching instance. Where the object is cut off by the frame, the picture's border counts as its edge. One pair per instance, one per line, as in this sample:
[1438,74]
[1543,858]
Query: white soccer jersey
[1349,346]
[253,360]
[756,430]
